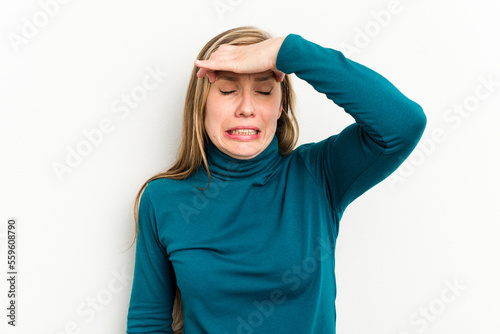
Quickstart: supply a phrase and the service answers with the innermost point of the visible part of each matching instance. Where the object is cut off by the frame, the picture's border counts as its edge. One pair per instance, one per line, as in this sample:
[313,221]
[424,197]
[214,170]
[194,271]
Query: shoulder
[313,148]
[308,157]
[158,185]
[165,189]
[314,157]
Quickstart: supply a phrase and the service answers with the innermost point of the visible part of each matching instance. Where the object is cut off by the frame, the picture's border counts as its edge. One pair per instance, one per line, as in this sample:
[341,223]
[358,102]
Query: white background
[399,244]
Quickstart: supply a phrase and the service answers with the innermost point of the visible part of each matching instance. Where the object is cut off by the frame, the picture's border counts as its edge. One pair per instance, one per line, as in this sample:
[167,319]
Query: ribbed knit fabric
[254,253]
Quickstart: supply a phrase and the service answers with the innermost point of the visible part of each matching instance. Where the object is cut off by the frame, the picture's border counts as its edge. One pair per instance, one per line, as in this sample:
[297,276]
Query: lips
[243,133]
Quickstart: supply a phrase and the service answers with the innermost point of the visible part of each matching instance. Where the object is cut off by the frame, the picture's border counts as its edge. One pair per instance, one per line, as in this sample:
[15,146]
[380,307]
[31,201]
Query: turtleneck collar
[259,168]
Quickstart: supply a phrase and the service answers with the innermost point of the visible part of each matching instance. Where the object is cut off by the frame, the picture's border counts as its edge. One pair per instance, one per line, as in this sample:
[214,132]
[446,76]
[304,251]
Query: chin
[244,153]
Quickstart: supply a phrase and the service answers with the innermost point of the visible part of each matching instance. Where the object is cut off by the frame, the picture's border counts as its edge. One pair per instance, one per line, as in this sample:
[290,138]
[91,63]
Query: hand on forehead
[244,59]
[237,77]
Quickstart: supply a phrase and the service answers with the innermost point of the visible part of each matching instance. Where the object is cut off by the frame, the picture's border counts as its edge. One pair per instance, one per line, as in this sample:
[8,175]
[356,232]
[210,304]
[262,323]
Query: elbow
[408,128]
[418,121]
[414,126]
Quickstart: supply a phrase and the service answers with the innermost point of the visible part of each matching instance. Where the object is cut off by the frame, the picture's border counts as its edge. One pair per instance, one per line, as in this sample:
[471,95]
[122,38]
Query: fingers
[202,72]
[211,76]
[202,63]
[279,76]
[254,58]
[206,68]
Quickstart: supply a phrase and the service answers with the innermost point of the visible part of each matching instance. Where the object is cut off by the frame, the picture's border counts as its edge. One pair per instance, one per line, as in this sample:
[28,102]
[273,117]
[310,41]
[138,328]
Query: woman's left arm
[388,124]
[387,129]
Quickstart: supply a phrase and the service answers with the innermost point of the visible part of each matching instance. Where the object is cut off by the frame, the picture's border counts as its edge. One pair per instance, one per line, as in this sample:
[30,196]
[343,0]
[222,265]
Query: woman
[242,228]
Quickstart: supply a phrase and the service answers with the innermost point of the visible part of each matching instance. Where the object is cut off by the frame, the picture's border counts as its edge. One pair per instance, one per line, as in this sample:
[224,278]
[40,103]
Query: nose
[246,107]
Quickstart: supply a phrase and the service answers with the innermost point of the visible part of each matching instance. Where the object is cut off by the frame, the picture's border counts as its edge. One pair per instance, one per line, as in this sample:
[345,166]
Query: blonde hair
[192,151]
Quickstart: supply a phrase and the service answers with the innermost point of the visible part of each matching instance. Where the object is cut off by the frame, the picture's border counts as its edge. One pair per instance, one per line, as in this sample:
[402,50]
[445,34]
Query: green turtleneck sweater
[254,253]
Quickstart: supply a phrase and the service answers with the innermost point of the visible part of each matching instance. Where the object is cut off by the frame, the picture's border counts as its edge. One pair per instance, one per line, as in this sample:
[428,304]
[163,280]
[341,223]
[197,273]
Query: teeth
[243,132]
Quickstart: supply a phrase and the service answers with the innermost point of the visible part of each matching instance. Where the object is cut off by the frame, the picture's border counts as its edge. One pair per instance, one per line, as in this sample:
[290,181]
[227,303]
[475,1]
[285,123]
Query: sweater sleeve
[388,125]
[154,284]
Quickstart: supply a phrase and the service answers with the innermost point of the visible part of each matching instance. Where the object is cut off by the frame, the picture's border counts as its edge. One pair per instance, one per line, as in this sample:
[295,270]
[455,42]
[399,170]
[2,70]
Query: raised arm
[154,285]
[388,124]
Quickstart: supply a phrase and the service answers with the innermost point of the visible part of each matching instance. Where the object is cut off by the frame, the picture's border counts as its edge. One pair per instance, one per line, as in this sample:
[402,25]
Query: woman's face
[242,111]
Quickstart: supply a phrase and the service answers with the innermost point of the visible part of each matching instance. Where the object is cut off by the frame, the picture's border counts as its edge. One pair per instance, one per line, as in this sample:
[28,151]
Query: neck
[224,167]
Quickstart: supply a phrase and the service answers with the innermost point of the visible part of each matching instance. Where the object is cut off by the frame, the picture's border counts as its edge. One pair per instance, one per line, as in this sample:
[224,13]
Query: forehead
[237,77]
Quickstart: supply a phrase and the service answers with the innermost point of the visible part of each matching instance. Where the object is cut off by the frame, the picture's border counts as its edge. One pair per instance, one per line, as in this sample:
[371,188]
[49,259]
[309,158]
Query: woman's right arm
[154,284]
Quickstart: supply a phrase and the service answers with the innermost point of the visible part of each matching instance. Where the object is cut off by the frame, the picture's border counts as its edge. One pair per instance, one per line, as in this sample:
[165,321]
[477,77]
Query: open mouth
[243,132]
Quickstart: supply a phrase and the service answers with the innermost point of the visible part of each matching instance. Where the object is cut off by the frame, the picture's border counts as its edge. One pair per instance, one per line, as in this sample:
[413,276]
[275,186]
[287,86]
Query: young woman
[238,236]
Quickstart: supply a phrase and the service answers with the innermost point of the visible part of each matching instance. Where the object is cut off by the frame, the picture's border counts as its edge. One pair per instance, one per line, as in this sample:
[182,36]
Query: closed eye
[227,92]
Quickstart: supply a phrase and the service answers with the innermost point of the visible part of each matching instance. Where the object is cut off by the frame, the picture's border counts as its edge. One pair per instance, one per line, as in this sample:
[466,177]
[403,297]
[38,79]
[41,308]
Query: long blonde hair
[192,151]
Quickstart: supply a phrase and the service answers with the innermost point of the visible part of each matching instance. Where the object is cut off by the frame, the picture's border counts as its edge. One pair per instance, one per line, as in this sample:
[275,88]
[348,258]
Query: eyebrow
[234,79]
